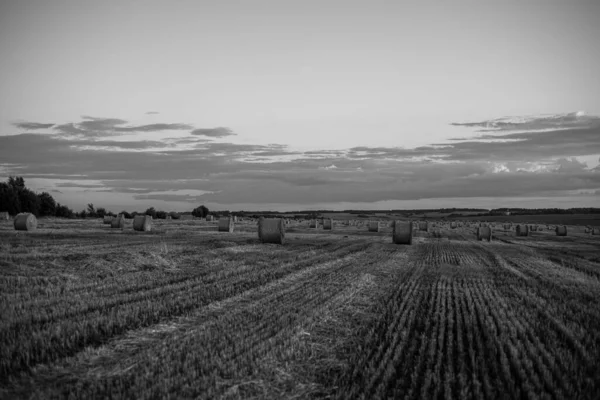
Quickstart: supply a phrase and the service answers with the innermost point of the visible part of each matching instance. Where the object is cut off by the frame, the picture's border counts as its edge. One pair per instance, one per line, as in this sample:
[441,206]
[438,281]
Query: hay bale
[118,222]
[4,216]
[107,220]
[596,231]
[561,230]
[423,226]
[226,225]
[313,223]
[522,230]
[142,223]
[484,233]
[25,222]
[373,226]
[453,225]
[328,224]
[402,232]
[506,226]
[209,218]
[271,230]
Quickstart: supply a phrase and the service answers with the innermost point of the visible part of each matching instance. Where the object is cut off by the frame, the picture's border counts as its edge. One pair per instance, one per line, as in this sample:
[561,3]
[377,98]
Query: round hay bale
[373,226]
[25,222]
[107,220]
[209,218]
[484,233]
[596,231]
[506,227]
[4,216]
[402,232]
[118,222]
[328,224]
[313,224]
[453,225]
[142,223]
[271,230]
[423,226]
[226,225]
[522,230]
[561,230]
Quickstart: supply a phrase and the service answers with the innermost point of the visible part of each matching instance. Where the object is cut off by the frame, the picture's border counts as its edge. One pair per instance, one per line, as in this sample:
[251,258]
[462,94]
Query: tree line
[16,198]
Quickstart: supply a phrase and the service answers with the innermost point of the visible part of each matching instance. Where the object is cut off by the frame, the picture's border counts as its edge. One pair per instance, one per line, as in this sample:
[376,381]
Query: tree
[101,212]
[125,214]
[151,212]
[91,211]
[63,211]
[9,199]
[47,204]
[200,212]
[161,215]
[174,215]
[30,203]
[17,182]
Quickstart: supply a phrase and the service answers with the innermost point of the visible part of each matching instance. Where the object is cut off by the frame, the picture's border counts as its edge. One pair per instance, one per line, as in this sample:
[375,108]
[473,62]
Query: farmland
[185,311]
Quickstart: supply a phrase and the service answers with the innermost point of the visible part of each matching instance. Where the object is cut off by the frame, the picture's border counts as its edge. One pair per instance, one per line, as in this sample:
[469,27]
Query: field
[189,312]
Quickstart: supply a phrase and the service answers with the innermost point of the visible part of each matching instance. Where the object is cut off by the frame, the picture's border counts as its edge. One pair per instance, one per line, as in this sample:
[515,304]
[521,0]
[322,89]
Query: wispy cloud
[152,113]
[32,125]
[213,132]
[537,122]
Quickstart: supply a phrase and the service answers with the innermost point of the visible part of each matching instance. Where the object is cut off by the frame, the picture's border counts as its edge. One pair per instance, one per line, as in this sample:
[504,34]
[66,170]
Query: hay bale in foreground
[226,225]
[484,233]
[142,223]
[107,220]
[402,232]
[328,224]
[25,222]
[271,230]
[561,230]
[118,222]
[522,230]
[4,216]
[373,226]
[423,226]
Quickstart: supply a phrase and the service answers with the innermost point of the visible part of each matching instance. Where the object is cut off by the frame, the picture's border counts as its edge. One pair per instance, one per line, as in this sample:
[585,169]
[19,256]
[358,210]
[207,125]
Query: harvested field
[185,312]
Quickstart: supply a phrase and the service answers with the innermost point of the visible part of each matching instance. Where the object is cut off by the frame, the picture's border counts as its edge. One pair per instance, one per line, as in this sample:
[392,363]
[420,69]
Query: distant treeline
[537,211]
[16,198]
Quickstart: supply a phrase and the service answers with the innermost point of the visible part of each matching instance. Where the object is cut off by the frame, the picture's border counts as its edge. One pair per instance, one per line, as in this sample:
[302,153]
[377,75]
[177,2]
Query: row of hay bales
[272,230]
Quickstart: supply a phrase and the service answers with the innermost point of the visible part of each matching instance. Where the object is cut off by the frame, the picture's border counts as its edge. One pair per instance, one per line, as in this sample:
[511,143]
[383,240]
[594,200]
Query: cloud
[32,125]
[154,128]
[152,113]
[539,122]
[98,127]
[213,132]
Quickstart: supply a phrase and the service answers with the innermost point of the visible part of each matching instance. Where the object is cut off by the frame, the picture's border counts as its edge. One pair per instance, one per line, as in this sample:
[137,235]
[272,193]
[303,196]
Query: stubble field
[189,312]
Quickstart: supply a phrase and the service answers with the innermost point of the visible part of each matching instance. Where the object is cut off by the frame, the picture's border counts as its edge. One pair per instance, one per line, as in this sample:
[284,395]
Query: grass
[185,311]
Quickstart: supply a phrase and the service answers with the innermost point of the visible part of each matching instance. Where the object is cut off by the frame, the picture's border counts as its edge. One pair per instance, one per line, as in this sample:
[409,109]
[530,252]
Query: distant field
[188,312]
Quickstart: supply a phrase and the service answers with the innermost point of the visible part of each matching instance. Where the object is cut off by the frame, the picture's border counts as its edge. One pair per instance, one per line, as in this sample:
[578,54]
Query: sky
[288,105]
